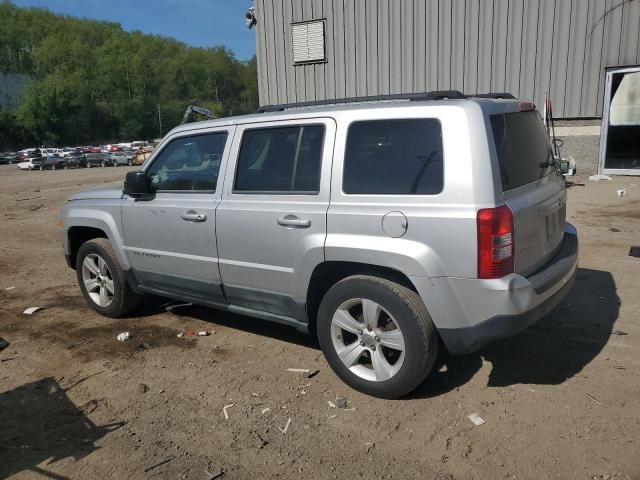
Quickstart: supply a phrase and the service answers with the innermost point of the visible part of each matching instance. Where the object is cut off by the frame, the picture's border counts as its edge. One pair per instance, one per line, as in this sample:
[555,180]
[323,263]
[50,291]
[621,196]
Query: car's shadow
[38,423]
[556,348]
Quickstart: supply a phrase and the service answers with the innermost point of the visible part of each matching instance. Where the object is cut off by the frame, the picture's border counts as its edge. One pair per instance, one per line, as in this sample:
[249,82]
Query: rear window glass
[523,148]
[401,157]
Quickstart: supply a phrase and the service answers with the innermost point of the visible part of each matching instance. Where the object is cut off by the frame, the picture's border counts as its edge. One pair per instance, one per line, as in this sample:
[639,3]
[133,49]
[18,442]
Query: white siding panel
[515,49]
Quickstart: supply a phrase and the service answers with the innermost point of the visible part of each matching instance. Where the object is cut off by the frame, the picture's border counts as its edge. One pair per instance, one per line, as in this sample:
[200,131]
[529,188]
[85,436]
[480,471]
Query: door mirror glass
[136,184]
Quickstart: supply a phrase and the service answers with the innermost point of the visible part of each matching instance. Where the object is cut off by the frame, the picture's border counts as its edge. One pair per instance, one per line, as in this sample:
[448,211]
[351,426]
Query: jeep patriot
[390,228]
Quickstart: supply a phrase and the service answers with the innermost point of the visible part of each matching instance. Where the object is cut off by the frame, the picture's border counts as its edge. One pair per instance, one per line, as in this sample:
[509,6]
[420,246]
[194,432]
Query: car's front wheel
[377,335]
[102,280]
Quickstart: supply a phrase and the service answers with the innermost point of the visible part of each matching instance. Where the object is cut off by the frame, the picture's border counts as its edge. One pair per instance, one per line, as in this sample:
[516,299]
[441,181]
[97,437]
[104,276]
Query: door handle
[191,216]
[294,222]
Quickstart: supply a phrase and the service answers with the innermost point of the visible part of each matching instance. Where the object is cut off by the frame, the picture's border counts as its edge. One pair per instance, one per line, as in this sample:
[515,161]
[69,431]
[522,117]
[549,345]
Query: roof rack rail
[504,95]
[413,97]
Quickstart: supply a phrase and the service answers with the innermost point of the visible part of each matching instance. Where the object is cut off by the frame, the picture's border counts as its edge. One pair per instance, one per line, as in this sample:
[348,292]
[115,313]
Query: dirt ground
[561,400]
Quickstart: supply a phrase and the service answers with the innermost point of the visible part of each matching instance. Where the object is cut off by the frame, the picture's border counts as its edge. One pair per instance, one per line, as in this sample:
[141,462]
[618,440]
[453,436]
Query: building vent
[308,42]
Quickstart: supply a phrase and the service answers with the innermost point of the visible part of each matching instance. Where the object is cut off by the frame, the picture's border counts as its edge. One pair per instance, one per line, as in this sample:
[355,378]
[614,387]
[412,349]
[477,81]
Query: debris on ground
[172,307]
[619,332]
[331,404]
[311,374]
[213,476]
[261,441]
[597,178]
[622,193]
[286,427]
[31,310]
[224,410]
[180,335]
[123,337]
[298,370]
[10,288]
[202,333]
[265,410]
[594,399]
[89,407]
[3,344]
[341,402]
[156,465]
[142,388]
[476,419]
[368,446]
[634,251]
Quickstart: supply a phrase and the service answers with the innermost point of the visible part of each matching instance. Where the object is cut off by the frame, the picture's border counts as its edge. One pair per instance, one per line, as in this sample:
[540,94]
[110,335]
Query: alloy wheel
[367,339]
[98,280]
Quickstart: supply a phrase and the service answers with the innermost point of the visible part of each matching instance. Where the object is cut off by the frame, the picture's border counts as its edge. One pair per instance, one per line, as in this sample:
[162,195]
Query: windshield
[523,148]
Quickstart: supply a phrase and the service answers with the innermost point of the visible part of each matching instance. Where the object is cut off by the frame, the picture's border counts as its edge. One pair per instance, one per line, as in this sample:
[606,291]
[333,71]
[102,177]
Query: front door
[170,239]
[271,221]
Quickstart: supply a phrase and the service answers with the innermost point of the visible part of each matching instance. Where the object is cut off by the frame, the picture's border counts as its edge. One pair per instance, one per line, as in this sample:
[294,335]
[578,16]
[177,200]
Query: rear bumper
[471,313]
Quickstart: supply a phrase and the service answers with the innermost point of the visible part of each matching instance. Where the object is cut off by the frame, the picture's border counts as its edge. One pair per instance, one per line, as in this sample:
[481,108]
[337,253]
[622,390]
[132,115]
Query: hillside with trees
[94,82]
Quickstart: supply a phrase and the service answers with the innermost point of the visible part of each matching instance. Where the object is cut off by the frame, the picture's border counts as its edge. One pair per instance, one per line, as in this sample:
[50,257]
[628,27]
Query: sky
[199,23]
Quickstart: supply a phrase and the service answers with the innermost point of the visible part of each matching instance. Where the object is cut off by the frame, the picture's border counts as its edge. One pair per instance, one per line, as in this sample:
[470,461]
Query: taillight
[495,242]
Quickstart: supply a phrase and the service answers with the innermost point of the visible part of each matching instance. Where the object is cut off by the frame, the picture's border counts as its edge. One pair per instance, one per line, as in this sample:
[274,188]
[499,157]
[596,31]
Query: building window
[308,42]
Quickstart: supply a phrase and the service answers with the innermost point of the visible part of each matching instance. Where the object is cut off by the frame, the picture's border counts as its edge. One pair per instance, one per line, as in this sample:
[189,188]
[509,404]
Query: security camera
[250,18]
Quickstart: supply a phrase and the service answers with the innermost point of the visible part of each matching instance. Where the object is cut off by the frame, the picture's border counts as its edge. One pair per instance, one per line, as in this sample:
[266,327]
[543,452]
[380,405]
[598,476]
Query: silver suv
[391,229]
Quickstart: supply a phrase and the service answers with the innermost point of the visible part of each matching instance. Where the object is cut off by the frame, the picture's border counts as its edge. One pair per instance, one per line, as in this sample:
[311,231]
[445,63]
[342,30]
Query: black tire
[125,300]
[411,316]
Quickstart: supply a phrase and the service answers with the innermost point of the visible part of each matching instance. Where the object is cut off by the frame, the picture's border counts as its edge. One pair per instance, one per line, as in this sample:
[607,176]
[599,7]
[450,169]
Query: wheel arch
[328,273]
[85,224]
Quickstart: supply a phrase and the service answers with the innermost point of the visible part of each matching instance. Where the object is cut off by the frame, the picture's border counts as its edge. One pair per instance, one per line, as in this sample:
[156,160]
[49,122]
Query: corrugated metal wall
[526,47]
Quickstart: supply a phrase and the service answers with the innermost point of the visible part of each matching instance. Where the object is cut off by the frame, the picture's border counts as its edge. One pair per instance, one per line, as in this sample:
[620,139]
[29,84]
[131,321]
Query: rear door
[271,222]
[533,189]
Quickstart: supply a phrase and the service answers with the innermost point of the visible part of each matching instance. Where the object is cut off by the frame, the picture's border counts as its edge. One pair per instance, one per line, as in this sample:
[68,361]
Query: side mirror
[136,184]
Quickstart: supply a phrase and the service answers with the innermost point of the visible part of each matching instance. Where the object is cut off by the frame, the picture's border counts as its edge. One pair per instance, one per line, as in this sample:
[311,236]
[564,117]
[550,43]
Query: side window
[188,163]
[282,159]
[401,157]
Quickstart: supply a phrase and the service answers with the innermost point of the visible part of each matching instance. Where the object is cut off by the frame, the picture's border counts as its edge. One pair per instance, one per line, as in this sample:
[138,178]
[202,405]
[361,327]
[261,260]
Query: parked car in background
[101,159]
[53,162]
[27,153]
[139,144]
[75,161]
[122,158]
[8,158]
[31,163]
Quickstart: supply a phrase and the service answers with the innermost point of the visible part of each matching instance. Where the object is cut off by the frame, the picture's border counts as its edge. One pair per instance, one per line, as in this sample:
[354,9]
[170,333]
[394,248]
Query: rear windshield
[523,147]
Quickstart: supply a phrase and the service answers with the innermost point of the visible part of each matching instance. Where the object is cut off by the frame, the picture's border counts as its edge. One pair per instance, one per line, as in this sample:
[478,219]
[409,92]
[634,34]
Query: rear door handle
[294,222]
[191,216]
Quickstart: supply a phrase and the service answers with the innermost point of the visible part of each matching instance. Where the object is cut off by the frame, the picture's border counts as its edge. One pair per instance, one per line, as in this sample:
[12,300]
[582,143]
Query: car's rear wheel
[377,335]
[102,280]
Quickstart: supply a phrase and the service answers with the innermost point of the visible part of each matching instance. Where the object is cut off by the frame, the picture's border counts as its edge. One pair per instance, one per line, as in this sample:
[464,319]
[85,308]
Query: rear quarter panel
[441,229]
